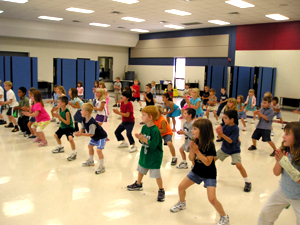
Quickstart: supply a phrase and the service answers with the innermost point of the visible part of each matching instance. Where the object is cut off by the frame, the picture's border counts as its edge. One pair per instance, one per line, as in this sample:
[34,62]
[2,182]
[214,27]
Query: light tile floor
[39,187]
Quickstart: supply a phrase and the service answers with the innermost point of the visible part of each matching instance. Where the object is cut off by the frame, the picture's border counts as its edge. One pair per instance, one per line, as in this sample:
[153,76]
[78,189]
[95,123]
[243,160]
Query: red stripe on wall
[270,36]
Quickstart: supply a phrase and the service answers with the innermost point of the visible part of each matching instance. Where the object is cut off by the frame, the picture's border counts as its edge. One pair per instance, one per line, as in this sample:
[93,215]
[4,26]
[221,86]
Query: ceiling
[152,11]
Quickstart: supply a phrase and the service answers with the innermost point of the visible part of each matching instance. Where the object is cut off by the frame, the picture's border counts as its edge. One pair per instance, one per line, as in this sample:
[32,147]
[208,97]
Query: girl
[60,91]
[172,110]
[251,105]
[185,106]
[96,86]
[76,104]
[80,89]
[241,111]
[288,166]
[31,119]
[42,117]
[195,103]
[102,85]
[100,106]
[170,90]
[202,152]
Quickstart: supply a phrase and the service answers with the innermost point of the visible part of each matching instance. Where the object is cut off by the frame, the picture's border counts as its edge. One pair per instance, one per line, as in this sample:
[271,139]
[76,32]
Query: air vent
[163,21]
[191,23]
[116,12]
[121,27]
[75,21]
[234,13]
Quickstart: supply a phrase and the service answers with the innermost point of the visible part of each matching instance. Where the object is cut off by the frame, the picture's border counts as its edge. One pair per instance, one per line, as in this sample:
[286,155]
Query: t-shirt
[186,92]
[11,95]
[118,85]
[80,91]
[171,94]
[205,95]
[224,97]
[212,99]
[187,128]
[158,124]
[74,110]
[23,102]
[239,108]
[92,127]
[152,153]
[127,108]
[206,171]
[194,102]
[233,133]
[150,96]
[153,91]
[263,124]
[43,115]
[98,104]
[137,93]
[2,94]
[63,115]
[276,107]
[55,98]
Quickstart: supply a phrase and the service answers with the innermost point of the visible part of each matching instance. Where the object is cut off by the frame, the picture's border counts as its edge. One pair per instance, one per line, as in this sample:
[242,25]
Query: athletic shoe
[123,145]
[43,144]
[9,125]
[244,129]
[72,156]
[273,153]
[161,195]
[141,109]
[217,123]
[282,127]
[16,129]
[133,149]
[37,140]
[224,220]
[58,149]
[174,161]
[182,165]
[53,120]
[101,169]
[26,135]
[272,133]
[31,137]
[21,133]
[88,163]
[252,147]
[181,118]
[247,187]
[246,120]
[253,121]
[115,105]
[178,206]
[2,122]
[135,187]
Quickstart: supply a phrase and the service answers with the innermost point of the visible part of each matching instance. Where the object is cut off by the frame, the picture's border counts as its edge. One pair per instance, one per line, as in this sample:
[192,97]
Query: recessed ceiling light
[1,11]
[50,18]
[140,30]
[132,19]
[126,1]
[16,1]
[178,12]
[219,22]
[240,3]
[174,26]
[99,24]
[72,9]
[277,17]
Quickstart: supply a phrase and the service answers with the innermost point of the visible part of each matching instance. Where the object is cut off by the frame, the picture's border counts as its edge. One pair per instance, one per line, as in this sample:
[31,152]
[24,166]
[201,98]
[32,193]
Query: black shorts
[133,99]
[205,102]
[10,111]
[265,134]
[67,131]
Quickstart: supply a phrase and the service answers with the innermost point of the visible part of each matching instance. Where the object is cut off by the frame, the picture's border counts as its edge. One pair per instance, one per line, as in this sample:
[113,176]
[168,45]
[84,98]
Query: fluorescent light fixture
[140,30]
[72,9]
[277,17]
[240,3]
[132,19]
[219,22]
[16,1]
[178,12]
[50,18]
[1,11]
[127,1]
[174,26]
[99,24]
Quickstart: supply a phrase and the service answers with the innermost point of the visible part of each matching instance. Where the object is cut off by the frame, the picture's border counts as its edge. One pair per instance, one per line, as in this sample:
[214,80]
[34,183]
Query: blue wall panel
[58,71]
[34,72]
[259,85]
[252,77]
[80,72]
[266,81]
[2,69]
[208,76]
[243,81]
[273,80]
[234,81]
[217,76]
[7,68]
[89,78]
[68,75]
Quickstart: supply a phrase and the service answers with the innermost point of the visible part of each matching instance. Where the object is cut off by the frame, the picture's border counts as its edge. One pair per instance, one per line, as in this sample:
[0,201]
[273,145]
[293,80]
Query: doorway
[105,68]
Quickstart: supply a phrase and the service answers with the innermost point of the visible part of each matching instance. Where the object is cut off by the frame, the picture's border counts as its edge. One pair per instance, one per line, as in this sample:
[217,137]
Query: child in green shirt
[151,153]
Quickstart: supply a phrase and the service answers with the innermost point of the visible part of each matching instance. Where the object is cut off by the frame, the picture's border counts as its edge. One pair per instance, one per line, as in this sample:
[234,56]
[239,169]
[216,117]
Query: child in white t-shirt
[100,106]
[2,121]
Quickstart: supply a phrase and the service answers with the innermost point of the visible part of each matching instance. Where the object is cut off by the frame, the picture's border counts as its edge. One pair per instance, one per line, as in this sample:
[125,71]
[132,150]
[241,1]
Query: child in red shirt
[136,92]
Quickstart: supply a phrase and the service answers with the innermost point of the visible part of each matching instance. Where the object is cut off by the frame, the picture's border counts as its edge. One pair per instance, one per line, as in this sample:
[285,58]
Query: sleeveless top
[158,124]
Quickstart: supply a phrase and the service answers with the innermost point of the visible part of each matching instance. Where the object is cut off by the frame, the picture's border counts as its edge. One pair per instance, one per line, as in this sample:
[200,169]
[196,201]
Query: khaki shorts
[154,173]
[235,158]
[211,108]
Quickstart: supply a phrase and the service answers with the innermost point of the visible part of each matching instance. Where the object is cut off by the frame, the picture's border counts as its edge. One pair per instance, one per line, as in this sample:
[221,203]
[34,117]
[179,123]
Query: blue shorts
[32,119]
[167,138]
[242,115]
[100,143]
[198,180]
[199,115]
[278,115]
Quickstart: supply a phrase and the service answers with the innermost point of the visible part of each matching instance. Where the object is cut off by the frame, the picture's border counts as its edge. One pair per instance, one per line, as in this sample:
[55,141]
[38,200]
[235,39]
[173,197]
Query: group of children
[198,134]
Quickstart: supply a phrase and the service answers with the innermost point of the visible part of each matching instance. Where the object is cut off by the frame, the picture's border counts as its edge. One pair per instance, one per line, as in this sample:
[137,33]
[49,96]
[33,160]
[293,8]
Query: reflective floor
[39,187]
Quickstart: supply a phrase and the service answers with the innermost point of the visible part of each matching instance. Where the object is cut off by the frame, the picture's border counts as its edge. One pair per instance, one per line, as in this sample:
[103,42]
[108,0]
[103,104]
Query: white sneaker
[21,133]
[53,120]
[72,156]
[88,163]
[224,220]
[245,120]
[133,149]
[58,149]
[272,133]
[178,206]
[282,127]
[123,145]
[217,123]
[182,165]
[100,169]
[252,121]
[244,129]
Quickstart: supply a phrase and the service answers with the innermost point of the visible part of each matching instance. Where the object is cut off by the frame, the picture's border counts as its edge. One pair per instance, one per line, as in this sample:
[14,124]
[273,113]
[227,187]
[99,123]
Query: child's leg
[159,183]
[215,114]
[207,114]
[29,124]
[271,143]
[254,142]
[168,119]
[14,121]
[140,178]
[182,153]
[243,122]
[129,128]
[242,170]
[116,98]
[185,184]
[246,114]
[107,101]
[211,194]
[118,132]
[171,147]
[41,136]
[72,143]
[52,112]
[140,104]
[57,139]
[91,152]
[281,121]
[174,123]
[101,156]
[254,115]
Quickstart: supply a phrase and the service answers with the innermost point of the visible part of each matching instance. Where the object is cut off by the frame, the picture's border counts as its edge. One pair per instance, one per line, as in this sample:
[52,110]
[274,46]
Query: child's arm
[76,105]
[205,159]
[283,160]
[266,118]
[195,106]
[163,127]
[7,102]
[81,133]
[242,109]
[65,121]
[116,111]
[102,105]
[277,170]
[171,108]
[31,114]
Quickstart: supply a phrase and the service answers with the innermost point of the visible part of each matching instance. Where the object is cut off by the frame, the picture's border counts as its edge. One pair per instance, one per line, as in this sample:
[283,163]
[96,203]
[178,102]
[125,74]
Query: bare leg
[183,155]
[271,143]
[243,122]
[91,149]
[140,178]
[72,143]
[254,142]
[242,170]
[215,114]
[207,114]
[100,153]
[246,114]
[185,184]
[42,136]
[57,139]
[159,183]
[171,147]
[211,194]
[174,123]
[29,124]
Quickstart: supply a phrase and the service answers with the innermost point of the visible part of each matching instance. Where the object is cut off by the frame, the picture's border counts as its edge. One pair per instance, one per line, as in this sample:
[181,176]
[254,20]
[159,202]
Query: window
[179,73]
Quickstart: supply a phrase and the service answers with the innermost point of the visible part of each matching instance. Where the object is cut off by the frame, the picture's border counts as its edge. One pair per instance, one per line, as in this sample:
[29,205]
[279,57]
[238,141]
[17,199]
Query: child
[55,98]
[96,86]
[32,120]
[75,104]
[2,121]
[202,152]
[195,103]
[136,92]
[276,108]
[212,104]
[186,105]
[188,115]
[153,91]
[166,133]
[96,133]
[11,101]
[148,97]
[66,127]
[102,85]
[229,133]
[288,166]
[100,106]
[223,101]
[60,91]
[251,104]
[117,88]
[263,128]
[170,90]
[205,97]
[126,111]
[42,117]
[241,111]
[172,110]
[80,90]
[151,152]
[23,120]
[185,93]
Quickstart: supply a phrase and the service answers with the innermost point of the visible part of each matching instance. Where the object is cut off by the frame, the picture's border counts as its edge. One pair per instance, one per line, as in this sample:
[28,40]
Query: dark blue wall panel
[208,76]
[68,75]
[259,86]
[234,81]
[243,84]
[34,72]
[7,68]
[217,76]
[273,80]
[2,69]
[58,71]
[89,78]
[80,72]
[267,81]
[252,77]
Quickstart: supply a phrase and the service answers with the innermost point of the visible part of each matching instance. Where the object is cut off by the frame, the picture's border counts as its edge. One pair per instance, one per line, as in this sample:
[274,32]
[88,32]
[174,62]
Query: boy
[229,133]
[2,121]
[148,97]
[136,92]
[23,120]
[151,153]
[96,133]
[11,101]
[205,97]
[66,127]
[263,128]
[276,108]
[212,104]
[223,100]
[126,111]
[118,90]
[189,116]
[185,93]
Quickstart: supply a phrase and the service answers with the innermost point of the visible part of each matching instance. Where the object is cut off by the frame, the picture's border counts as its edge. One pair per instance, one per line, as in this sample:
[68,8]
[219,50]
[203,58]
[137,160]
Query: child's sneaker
[182,165]
[16,129]
[135,187]
[246,120]
[53,120]
[244,129]
[37,140]
[161,195]
[252,147]
[9,125]
[72,156]
[178,206]
[123,145]
[272,133]
[224,220]
[273,153]
[253,121]
[133,149]
[88,163]
[101,169]
[58,149]
[174,161]
[217,123]
[2,122]
[43,144]
[26,135]
[21,133]
[115,105]
[282,127]
[31,137]
[247,187]
[141,109]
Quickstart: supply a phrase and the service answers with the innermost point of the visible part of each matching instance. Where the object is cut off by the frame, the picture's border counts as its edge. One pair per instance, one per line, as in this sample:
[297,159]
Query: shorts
[235,158]
[1,108]
[278,115]
[208,182]
[154,95]
[40,126]
[186,147]
[205,102]
[78,116]
[137,98]
[32,119]
[100,143]
[242,115]
[167,138]
[101,118]
[211,108]
[154,173]
[10,111]
[265,134]
[199,115]
[249,108]
[66,131]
